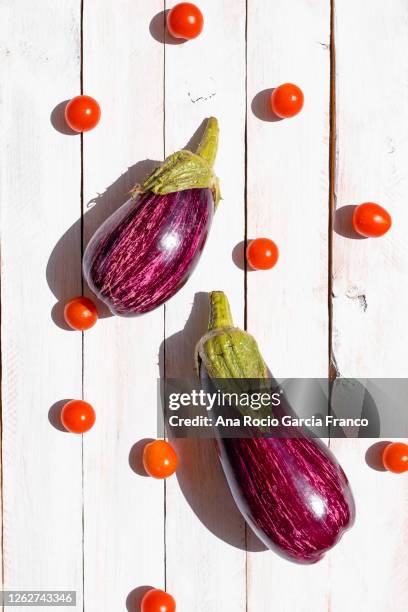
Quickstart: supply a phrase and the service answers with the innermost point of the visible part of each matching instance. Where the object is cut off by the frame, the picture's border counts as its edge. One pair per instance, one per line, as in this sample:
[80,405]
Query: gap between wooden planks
[331,184]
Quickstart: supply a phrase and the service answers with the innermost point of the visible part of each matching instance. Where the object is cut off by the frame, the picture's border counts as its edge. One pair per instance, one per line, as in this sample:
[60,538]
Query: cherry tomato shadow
[373,456]
[200,475]
[58,121]
[136,457]
[239,258]
[57,315]
[261,106]
[134,599]
[238,255]
[159,31]
[343,223]
[54,415]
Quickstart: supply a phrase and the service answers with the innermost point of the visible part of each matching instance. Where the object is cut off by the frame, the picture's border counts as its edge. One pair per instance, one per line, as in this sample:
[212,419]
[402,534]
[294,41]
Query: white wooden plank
[124,550]
[369,333]
[40,187]
[204,533]
[288,202]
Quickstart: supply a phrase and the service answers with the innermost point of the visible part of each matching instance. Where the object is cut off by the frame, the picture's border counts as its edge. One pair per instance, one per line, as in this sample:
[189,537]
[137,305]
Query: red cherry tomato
[159,459]
[185,20]
[77,416]
[80,313]
[371,220]
[395,457]
[262,254]
[158,601]
[82,113]
[287,100]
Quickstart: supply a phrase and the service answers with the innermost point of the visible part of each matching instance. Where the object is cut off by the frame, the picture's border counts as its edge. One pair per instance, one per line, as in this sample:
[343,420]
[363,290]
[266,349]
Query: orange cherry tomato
[371,220]
[77,416]
[156,600]
[159,459]
[80,313]
[262,254]
[185,20]
[395,457]
[287,100]
[82,113]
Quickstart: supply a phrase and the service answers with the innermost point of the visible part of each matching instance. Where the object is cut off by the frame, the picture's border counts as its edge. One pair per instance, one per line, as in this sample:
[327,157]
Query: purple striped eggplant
[146,250]
[291,491]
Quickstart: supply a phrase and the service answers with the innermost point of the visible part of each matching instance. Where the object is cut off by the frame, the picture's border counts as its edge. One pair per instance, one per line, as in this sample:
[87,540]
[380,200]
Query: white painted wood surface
[288,195]
[207,569]
[186,535]
[370,334]
[40,197]
[123,511]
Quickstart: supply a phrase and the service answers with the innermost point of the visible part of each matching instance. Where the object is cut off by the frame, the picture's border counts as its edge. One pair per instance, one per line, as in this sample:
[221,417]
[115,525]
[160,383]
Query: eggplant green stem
[230,357]
[220,312]
[207,149]
[187,170]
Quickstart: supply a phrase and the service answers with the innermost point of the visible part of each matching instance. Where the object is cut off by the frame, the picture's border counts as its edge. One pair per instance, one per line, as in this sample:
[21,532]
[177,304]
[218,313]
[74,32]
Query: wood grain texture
[40,188]
[123,69]
[288,202]
[78,515]
[206,77]
[370,296]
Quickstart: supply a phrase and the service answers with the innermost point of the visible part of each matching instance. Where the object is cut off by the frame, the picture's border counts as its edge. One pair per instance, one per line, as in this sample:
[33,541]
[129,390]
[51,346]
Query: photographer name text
[253,421]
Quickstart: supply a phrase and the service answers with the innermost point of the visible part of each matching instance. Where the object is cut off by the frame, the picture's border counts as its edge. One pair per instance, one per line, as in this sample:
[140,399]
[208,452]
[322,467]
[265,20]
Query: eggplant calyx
[227,351]
[186,170]
[231,357]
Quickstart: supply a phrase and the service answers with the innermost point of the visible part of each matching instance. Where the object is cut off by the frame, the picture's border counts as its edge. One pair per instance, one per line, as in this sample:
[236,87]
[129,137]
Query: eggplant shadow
[200,475]
[64,267]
